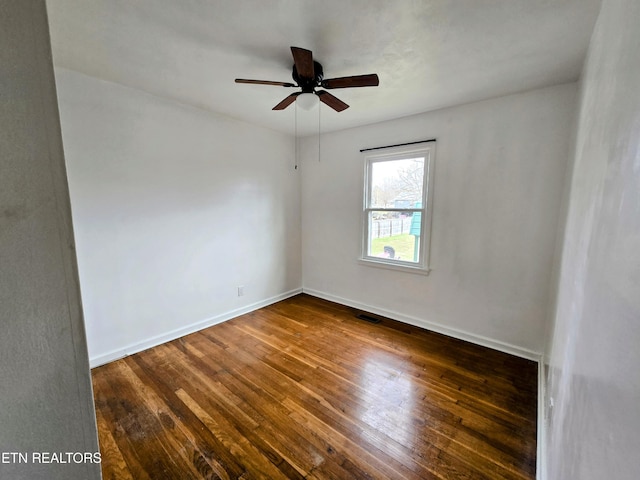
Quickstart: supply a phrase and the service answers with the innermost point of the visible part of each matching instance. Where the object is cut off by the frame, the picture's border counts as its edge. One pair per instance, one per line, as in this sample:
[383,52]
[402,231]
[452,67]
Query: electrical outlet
[240,290]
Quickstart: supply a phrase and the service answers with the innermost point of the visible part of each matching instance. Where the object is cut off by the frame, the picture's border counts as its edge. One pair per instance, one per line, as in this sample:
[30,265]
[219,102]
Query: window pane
[396,183]
[394,235]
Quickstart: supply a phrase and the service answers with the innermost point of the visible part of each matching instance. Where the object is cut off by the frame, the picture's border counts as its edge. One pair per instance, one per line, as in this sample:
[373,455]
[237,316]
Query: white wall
[595,379]
[174,207]
[499,172]
[46,404]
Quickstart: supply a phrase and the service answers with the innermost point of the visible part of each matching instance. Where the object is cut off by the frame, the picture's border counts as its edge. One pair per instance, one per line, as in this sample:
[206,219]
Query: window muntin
[396,216]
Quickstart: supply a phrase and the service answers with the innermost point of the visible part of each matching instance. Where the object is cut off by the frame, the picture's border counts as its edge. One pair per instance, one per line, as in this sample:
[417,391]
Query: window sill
[371,262]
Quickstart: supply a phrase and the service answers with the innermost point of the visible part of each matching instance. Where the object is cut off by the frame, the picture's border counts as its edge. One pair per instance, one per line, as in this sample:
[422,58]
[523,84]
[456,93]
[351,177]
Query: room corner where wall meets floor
[425,324]
[133,348]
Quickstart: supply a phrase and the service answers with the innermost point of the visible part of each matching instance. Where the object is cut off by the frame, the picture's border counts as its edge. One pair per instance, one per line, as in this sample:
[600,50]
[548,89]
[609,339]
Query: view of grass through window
[403,246]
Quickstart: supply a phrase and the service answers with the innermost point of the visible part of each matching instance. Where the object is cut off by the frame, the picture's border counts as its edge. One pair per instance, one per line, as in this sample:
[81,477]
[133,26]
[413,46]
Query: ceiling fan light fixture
[307,101]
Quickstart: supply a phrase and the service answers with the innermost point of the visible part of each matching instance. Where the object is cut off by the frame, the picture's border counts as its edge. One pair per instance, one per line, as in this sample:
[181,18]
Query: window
[397,208]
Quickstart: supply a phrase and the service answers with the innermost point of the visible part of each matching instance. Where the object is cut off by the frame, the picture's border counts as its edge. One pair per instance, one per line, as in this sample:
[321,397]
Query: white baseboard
[541,456]
[434,327]
[181,332]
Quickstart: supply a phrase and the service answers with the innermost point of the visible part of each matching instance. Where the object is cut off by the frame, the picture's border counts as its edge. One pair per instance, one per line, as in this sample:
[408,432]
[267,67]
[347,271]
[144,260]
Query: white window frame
[398,153]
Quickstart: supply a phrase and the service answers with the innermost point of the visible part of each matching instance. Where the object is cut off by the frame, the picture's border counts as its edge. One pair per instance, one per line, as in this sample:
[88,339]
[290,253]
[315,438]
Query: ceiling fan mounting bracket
[308,85]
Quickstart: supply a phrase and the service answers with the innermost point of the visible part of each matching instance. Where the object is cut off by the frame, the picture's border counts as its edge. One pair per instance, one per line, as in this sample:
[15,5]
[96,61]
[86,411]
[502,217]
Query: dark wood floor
[304,389]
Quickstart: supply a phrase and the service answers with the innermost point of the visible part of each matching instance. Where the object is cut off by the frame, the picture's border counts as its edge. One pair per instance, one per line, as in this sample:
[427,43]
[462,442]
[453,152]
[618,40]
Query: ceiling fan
[308,75]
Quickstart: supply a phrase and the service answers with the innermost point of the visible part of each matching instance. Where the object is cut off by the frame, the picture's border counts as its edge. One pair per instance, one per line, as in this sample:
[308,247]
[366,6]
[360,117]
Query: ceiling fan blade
[303,60]
[370,80]
[286,102]
[264,82]
[334,102]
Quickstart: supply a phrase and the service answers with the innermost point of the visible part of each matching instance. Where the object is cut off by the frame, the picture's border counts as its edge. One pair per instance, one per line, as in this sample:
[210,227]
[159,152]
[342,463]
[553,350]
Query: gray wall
[594,377]
[46,403]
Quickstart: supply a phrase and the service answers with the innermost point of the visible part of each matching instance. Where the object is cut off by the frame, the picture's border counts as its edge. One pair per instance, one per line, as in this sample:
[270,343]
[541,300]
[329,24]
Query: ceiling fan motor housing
[308,85]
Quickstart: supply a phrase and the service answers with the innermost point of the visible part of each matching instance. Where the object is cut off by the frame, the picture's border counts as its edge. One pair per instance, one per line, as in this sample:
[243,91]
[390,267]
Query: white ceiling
[428,54]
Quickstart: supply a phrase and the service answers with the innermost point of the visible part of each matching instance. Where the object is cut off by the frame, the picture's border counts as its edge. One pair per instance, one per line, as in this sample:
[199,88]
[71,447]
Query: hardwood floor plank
[136,430]
[211,447]
[238,445]
[179,439]
[116,468]
[265,412]
[305,389]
